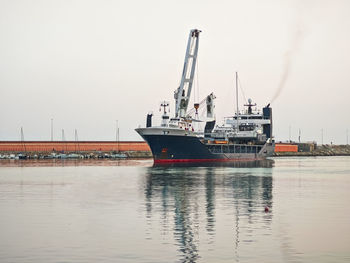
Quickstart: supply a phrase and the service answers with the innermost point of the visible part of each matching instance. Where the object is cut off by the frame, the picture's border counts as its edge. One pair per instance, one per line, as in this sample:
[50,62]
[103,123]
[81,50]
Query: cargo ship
[245,136]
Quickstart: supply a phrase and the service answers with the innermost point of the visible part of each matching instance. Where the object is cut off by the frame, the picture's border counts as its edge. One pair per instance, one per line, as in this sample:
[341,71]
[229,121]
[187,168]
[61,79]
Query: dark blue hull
[174,149]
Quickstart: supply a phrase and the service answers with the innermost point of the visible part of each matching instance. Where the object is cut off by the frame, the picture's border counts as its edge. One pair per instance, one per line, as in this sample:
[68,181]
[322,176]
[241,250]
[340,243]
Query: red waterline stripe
[204,160]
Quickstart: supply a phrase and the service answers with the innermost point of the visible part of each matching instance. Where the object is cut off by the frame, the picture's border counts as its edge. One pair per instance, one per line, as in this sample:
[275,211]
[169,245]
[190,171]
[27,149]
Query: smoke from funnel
[288,61]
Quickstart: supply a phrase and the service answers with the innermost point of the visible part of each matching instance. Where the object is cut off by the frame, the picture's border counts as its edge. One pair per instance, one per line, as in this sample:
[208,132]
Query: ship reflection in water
[266,163]
[197,205]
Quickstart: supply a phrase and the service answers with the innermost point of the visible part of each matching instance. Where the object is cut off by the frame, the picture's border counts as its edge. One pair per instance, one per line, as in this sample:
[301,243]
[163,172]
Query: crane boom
[183,93]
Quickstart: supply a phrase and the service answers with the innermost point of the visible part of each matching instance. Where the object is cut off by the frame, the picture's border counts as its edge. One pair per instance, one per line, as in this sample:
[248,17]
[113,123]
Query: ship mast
[182,94]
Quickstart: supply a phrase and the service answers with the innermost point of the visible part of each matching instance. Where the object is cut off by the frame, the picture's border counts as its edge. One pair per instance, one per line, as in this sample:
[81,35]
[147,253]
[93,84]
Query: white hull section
[165,131]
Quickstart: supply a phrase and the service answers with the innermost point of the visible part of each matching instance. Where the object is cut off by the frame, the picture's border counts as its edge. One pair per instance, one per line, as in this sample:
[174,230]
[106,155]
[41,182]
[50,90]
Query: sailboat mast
[237,99]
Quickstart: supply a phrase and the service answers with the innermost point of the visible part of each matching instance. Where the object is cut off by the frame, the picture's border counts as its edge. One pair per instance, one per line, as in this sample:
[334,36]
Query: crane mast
[183,93]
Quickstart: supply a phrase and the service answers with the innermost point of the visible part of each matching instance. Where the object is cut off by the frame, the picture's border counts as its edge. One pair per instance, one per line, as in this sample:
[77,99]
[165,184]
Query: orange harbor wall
[92,146]
[280,147]
[72,146]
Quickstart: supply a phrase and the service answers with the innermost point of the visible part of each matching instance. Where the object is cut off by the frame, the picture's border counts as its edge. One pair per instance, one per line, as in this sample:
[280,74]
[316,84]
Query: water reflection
[75,162]
[267,163]
[190,198]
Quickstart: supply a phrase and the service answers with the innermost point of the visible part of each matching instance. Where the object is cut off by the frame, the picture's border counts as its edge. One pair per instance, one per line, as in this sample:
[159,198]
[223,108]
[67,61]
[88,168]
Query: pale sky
[87,64]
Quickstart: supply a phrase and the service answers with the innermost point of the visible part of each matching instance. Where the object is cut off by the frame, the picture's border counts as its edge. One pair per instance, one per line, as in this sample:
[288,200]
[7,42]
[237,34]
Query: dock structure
[73,146]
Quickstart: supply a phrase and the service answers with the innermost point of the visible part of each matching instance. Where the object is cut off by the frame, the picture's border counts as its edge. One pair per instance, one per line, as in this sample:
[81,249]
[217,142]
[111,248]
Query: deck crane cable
[196,85]
[197,82]
[194,88]
[193,110]
[240,86]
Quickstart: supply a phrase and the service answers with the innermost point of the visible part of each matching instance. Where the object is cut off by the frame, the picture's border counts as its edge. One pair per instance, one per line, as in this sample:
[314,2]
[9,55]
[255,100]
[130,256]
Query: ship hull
[167,149]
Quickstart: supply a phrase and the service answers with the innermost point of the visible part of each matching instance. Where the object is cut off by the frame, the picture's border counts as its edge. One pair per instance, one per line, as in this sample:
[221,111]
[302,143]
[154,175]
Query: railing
[235,148]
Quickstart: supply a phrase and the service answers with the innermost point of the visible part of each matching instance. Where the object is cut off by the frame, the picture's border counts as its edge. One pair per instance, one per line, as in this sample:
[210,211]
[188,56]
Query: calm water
[131,212]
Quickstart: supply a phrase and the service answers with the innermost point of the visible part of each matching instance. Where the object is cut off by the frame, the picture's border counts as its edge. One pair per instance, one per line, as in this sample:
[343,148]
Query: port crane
[183,92]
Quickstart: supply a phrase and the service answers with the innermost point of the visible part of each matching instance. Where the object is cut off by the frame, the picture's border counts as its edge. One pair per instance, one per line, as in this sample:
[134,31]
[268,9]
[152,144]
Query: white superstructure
[244,126]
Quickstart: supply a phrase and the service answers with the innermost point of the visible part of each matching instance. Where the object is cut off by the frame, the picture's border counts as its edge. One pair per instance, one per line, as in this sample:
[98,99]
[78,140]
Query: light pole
[76,140]
[117,134]
[22,140]
[22,135]
[290,133]
[116,130]
[51,129]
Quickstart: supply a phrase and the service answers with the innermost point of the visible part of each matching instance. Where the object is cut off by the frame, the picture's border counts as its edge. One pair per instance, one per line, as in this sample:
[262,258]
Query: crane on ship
[183,92]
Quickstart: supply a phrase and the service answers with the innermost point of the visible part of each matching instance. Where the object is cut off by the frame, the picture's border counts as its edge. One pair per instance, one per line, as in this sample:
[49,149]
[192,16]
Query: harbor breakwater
[319,150]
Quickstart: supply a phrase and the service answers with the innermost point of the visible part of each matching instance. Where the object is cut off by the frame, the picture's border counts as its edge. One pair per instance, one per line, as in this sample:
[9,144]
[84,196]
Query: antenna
[164,104]
[299,135]
[322,136]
